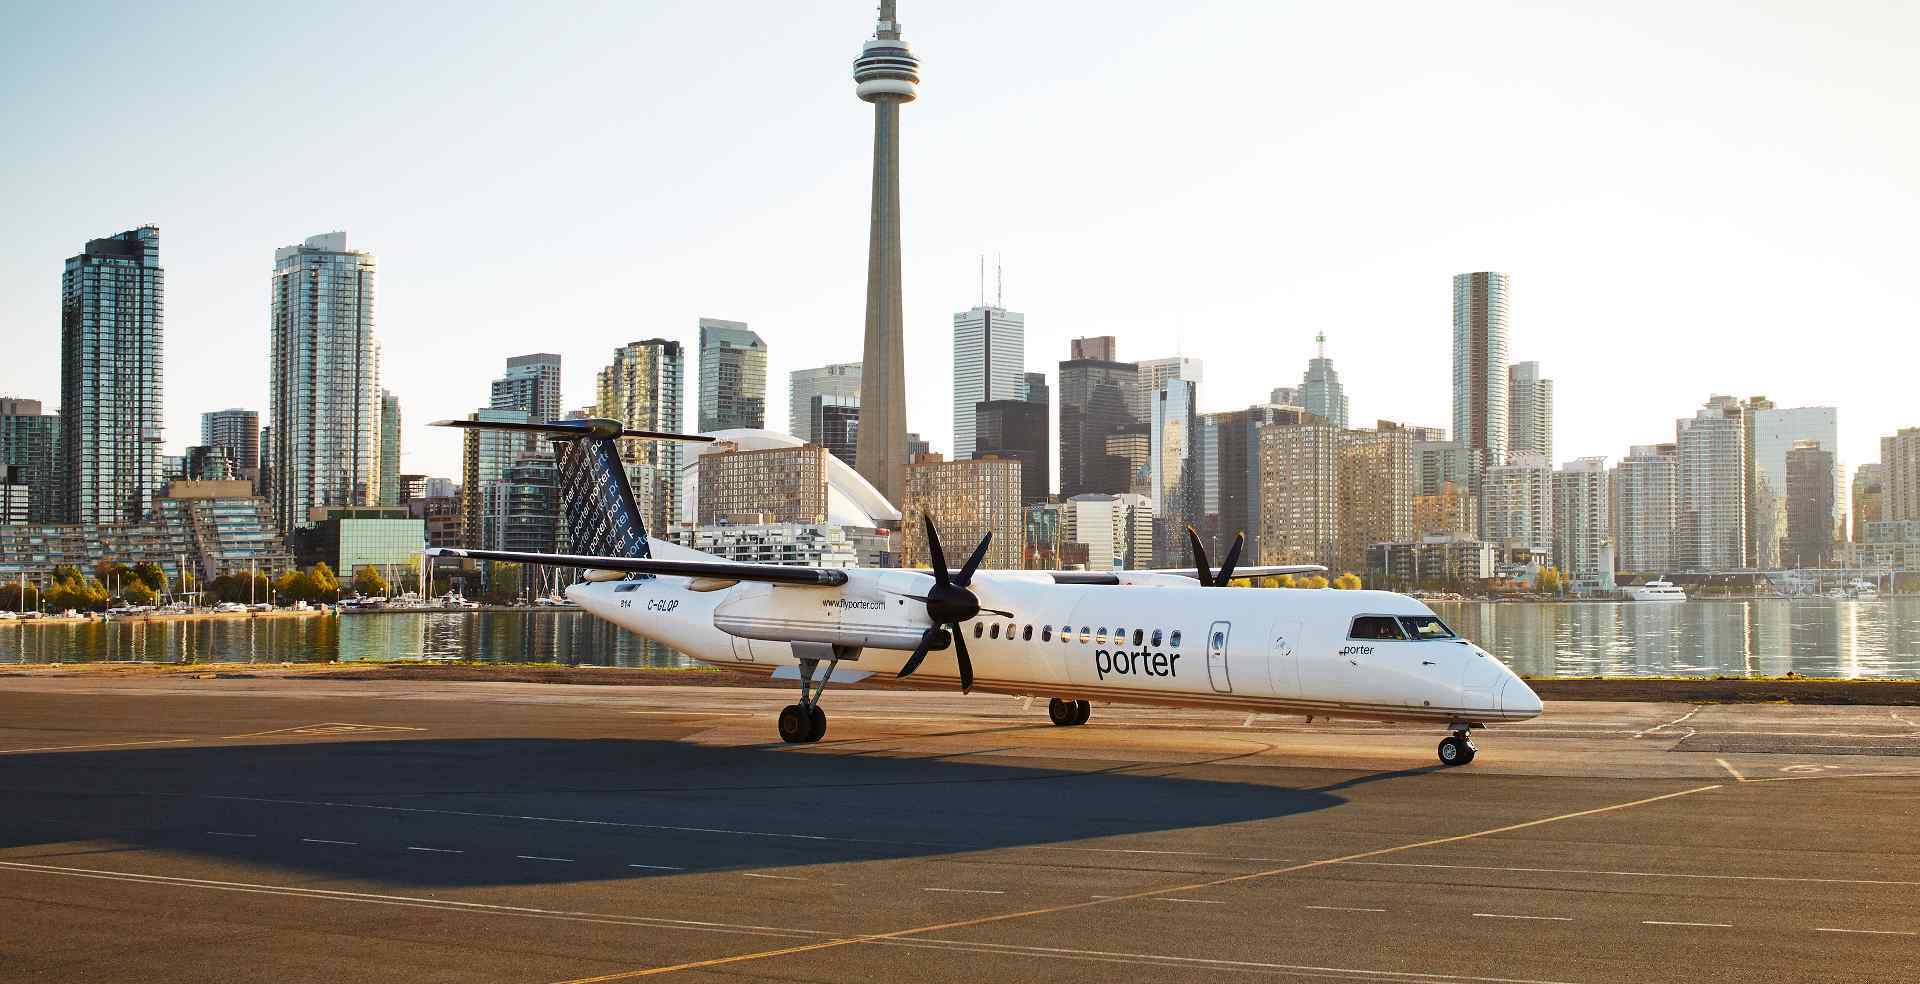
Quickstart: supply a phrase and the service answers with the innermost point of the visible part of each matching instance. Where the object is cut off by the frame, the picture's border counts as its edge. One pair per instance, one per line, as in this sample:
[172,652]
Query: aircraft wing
[717,569]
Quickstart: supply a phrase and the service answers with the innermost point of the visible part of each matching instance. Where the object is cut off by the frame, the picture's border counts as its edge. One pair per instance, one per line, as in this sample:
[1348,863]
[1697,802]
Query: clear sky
[1691,198]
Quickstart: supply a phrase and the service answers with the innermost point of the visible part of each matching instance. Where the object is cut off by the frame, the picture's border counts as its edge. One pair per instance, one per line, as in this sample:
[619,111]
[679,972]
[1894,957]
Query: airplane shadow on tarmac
[445,812]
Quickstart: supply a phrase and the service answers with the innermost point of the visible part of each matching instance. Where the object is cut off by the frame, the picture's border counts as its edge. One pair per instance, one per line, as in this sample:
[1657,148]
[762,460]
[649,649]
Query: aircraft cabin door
[742,649]
[1217,658]
[1283,660]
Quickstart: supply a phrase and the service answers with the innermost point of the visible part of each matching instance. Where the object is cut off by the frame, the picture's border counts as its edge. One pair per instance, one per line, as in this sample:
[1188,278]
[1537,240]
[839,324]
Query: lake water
[1813,637]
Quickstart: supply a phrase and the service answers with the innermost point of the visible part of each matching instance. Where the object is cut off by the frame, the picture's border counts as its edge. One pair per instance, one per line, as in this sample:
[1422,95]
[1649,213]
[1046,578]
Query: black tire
[1471,752]
[1455,750]
[817,724]
[1063,712]
[1082,710]
[795,724]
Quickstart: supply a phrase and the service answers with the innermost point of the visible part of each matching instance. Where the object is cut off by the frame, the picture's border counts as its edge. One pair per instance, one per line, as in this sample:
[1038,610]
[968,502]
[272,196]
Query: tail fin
[603,520]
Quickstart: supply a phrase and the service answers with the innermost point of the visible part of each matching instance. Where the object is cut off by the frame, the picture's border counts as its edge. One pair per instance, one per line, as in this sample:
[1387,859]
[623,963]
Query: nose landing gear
[1067,713]
[1457,749]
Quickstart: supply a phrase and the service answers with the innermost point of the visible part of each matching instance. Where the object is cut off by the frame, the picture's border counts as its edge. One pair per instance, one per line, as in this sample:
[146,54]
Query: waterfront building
[1647,493]
[237,432]
[1771,433]
[1320,389]
[215,527]
[16,496]
[112,361]
[989,364]
[1098,348]
[1529,411]
[1452,511]
[886,74]
[206,463]
[835,425]
[733,376]
[644,388]
[1152,374]
[1887,545]
[386,538]
[1480,363]
[966,499]
[1517,505]
[485,457]
[1299,494]
[1115,532]
[1375,486]
[389,448]
[1096,397]
[523,508]
[1434,559]
[838,383]
[324,379]
[30,447]
[1900,465]
[1582,538]
[1810,510]
[787,485]
[1869,497]
[1042,521]
[1710,529]
[441,516]
[1017,429]
[1172,456]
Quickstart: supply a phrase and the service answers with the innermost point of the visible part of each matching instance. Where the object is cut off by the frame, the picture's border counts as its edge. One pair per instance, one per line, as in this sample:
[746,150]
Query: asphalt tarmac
[171,829]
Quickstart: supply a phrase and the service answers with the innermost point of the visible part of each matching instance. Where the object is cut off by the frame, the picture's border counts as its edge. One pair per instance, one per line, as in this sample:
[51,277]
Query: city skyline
[1558,229]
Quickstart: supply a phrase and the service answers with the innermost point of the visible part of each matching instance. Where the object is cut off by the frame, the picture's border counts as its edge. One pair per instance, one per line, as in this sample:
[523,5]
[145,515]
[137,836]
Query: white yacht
[1656,591]
[1864,590]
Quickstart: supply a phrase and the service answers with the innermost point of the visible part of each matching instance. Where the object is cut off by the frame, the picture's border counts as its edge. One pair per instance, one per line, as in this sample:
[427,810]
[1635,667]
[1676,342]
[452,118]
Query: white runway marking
[1658,727]
[751,874]
[228,833]
[536,857]
[1735,773]
[657,867]
[322,840]
[1193,901]
[1633,874]
[1508,915]
[436,850]
[968,891]
[1341,908]
[1867,932]
[1662,922]
[108,744]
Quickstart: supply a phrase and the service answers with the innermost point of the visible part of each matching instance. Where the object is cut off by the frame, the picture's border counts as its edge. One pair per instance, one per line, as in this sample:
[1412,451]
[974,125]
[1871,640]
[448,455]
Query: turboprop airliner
[1155,637]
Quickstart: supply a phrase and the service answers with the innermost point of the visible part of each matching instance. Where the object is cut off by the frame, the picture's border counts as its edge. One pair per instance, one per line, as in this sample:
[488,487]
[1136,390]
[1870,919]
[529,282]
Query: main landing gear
[1067,713]
[805,722]
[1456,749]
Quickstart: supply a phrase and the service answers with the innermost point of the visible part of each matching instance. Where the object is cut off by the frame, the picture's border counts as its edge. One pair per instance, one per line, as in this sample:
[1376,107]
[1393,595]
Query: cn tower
[885,73]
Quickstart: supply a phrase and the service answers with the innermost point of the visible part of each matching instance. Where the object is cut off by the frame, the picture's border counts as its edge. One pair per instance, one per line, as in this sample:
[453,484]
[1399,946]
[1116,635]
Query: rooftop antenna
[999,284]
[983,278]
[1321,341]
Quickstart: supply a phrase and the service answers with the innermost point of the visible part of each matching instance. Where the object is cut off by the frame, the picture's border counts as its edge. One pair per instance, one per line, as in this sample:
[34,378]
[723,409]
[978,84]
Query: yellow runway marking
[1735,773]
[322,730]
[1152,893]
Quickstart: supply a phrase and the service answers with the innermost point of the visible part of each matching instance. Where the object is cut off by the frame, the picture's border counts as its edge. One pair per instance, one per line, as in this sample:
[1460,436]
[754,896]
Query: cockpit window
[1425,627]
[1375,627]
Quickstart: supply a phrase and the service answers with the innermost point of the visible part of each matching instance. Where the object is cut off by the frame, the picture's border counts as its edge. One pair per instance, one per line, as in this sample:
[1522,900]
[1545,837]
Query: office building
[1770,433]
[1480,363]
[1099,348]
[1152,374]
[236,432]
[1529,411]
[1900,467]
[644,388]
[1095,402]
[835,425]
[1037,389]
[917,447]
[1582,538]
[1711,528]
[989,364]
[30,453]
[1114,531]
[1128,463]
[839,383]
[785,485]
[1043,523]
[1375,486]
[1647,493]
[886,74]
[1172,456]
[1287,396]
[485,457]
[1299,494]
[1230,473]
[112,361]
[733,376]
[1869,497]
[324,379]
[967,500]
[1320,389]
[1810,509]
[1516,504]
[1017,429]
[389,448]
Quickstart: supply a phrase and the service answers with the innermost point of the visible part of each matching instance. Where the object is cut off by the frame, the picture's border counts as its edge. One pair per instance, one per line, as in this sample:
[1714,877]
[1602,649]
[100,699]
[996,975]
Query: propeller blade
[1232,560]
[919,652]
[996,611]
[960,656]
[933,550]
[973,562]
[1200,559]
[920,598]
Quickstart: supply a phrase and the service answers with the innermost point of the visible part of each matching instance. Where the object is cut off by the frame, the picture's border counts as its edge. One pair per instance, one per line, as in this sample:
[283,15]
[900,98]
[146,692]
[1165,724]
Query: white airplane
[1161,637]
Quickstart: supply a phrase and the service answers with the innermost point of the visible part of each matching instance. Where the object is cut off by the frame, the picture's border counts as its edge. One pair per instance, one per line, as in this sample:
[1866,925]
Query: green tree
[11,601]
[1311,581]
[136,592]
[1349,581]
[80,594]
[503,583]
[326,586]
[150,574]
[367,581]
[65,572]
[292,586]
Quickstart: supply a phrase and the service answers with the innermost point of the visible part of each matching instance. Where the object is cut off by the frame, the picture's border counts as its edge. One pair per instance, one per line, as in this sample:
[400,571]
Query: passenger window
[1136,636]
[1383,627]
[1156,638]
[1100,636]
[1046,633]
[996,632]
[978,629]
[1219,640]
[1086,635]
[1026,633]
[1174,640]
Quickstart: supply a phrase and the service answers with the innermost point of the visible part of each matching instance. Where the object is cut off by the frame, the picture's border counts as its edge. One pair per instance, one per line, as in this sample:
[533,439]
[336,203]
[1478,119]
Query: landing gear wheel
[1082,711]
[817,724]
[796,724]
[1455,750]
[1064,713]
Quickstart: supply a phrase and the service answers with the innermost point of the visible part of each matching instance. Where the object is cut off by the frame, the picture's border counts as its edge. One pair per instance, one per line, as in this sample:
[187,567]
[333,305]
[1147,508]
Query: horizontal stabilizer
[1255,570]
[592,427]
[720,569]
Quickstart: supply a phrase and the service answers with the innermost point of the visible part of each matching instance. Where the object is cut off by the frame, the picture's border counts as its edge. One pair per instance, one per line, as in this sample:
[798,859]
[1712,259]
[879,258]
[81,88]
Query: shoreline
[1695,690]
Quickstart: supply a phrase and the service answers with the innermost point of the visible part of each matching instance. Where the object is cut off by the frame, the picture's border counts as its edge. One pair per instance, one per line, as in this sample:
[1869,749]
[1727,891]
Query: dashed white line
[1508,915]
[967,891]
[1866,932]
[536,857]
[1663,922]
[1341,908]
[322,840]
[1193,901]
[657,867]
[108,744]
[228,833]
[753,874]
[436,850]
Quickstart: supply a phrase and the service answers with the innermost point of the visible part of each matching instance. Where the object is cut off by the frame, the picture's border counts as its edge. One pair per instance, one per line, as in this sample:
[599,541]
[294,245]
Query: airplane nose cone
[1518,700]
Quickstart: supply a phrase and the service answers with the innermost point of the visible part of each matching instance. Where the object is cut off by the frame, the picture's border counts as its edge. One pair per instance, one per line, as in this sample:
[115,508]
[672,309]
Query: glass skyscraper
[112,300]
[30,446]
[1480,363]
[644,388]
[236,432]
[389,448]
[325,380]
[1320,389]
[733,376]
[989,363]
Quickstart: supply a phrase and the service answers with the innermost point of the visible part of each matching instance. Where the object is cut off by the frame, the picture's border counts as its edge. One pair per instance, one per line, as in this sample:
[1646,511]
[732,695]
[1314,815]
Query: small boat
[1864,590]
[1661,590]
